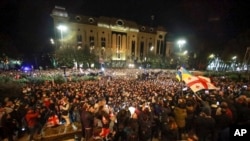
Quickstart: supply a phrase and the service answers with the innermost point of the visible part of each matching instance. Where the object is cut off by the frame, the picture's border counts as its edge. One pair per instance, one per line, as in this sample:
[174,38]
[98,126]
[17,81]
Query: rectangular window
[133,47]
[79,39]
[103,42]
[91,41]
[119,42]
[133,50]
[150,45]
[161,48]
[158,47]
[142,48]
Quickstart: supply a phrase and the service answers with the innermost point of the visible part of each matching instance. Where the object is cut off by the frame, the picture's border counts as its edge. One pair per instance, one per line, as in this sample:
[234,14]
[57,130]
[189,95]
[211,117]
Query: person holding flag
[182,73]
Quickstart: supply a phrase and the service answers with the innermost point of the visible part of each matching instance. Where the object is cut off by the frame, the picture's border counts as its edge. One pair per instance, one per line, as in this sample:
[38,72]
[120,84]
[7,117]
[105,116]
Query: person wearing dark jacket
[204,126]
[169,129]
[122,121]
[133,127]
[9,126]
[222,126]
[87,119]
[145,124]
[243,112]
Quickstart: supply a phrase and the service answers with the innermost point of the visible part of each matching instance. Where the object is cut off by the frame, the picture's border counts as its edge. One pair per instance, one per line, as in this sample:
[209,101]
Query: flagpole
[181,88]
[180,75]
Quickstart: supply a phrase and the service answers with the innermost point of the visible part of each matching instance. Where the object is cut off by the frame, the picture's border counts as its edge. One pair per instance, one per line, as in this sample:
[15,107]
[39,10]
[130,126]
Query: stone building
[114,40]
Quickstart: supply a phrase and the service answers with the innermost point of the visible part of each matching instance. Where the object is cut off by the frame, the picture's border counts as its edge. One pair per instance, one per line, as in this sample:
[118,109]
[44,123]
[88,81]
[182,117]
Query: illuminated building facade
[113,40]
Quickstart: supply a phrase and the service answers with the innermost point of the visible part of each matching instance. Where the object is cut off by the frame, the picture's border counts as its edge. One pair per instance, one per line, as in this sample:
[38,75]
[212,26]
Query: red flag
[53,121]
[197,83]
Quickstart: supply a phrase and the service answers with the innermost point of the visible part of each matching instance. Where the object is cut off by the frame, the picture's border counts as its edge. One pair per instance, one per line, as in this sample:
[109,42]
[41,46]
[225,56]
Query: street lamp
[211,56]
[233,65]
[52,41]
[211,62]
[181,43]
[234,58]
[62,29]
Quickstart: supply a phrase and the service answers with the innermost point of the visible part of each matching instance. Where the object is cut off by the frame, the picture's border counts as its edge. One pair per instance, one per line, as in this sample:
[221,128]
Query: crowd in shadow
[128,108]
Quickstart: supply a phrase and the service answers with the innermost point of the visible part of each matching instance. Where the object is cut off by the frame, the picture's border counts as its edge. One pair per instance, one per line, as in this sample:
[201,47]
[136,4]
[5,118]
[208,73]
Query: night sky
[27,25]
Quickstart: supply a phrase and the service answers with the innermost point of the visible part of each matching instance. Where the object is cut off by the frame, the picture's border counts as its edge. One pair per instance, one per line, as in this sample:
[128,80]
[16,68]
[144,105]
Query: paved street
[69,138]
[60,133]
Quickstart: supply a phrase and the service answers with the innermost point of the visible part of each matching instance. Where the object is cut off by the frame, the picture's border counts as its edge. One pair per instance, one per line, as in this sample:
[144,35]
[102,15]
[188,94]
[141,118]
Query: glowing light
[131,110]
[151,48]
[52,41]
[211,56]
[131,65]
[103,69]
[62,28]
[181,43]
[26,68]
[185,52]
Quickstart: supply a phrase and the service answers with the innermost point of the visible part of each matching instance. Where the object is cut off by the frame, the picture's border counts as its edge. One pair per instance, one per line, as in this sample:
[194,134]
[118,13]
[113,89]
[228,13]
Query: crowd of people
[129,105]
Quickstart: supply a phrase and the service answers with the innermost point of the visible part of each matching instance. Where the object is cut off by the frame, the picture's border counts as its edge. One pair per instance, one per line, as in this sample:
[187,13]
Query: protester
[157,94]
[64,107]
[32,119]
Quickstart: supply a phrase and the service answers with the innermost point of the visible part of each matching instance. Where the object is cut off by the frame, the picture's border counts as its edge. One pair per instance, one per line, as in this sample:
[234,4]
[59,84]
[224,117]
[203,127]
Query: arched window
[78,18]
[120,22]
[91,20]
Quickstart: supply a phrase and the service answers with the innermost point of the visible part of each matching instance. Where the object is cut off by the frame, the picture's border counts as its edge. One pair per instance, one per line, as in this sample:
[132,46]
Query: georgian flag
[197,83]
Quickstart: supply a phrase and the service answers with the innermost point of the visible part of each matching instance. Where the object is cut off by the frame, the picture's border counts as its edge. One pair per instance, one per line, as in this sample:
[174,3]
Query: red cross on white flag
[197,83]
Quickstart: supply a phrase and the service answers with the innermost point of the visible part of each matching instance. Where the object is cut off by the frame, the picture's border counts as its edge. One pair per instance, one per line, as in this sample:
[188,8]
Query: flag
[182,73]
[53,121]
[197,83]
[179,75]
